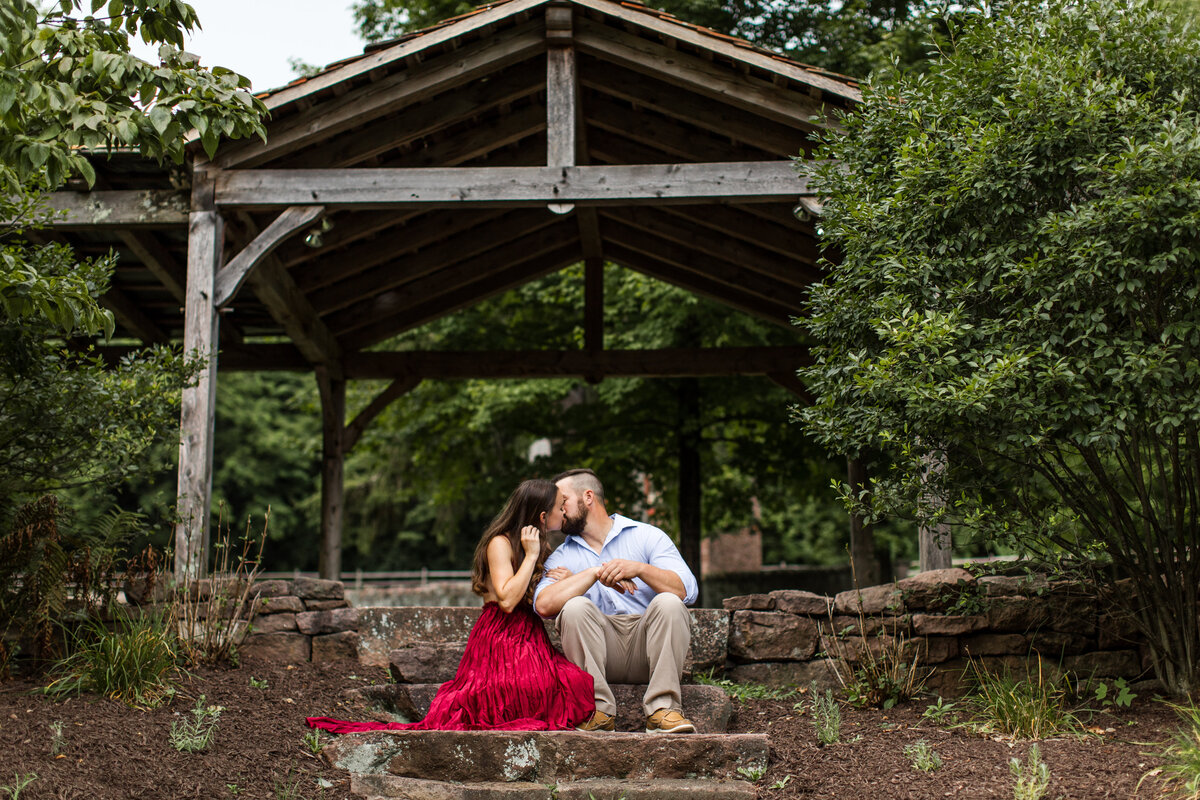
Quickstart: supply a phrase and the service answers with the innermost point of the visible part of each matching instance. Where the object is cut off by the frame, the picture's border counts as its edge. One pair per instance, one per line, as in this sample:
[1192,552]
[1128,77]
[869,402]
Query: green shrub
[196,734]
[135,662]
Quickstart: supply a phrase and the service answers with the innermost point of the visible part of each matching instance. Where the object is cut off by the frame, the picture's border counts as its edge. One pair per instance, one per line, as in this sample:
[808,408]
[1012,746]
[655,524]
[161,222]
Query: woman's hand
[558,573]
[531,539]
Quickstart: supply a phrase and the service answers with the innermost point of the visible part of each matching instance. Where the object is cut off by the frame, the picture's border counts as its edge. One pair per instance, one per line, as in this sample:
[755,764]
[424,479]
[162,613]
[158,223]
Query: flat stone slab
[547,757]
[432,630]
[387,786]
[708,707]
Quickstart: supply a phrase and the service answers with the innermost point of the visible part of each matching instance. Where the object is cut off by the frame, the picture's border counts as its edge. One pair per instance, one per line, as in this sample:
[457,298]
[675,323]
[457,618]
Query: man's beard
[573,526]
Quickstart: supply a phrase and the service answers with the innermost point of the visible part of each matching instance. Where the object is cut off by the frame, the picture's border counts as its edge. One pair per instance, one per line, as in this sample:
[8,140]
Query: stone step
[431,640]
[389,786]
[708,707]
[547,758]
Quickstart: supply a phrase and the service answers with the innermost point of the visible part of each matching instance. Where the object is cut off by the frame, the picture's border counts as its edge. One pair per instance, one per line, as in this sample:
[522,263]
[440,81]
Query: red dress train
[510,678]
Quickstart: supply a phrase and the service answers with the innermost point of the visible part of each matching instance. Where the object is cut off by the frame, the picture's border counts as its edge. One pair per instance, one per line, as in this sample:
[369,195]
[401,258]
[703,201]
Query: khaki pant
[645,648]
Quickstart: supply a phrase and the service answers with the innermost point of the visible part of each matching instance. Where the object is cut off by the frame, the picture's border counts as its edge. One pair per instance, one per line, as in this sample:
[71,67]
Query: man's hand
[619,574]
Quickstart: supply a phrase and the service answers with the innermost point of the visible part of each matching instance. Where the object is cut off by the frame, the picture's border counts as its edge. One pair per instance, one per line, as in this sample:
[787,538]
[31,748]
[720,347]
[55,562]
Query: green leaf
[160,118]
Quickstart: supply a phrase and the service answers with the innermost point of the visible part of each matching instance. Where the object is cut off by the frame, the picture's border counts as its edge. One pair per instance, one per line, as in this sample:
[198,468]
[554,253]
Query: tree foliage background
[1018,298]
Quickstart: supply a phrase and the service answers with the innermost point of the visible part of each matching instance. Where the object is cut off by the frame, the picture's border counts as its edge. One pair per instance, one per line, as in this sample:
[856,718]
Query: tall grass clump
[878,673]
[1024,706]
[135,661]
[1180,770]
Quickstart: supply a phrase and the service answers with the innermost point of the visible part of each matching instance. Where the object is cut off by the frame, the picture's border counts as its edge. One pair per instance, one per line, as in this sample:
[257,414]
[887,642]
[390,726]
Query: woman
[510,676]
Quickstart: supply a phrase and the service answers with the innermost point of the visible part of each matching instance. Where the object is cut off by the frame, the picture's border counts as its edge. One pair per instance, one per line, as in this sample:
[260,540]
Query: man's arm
[551,597]
[658,579]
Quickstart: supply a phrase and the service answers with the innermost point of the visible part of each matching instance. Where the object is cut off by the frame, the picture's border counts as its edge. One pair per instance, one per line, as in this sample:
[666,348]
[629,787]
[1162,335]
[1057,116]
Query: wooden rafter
[439,113]
[489,285]
[706,265]
[791,241]
[692,109]
[757,96]
[488,243]
[663,134]
[133,208]
[462,272]
[372,101]
[697,284]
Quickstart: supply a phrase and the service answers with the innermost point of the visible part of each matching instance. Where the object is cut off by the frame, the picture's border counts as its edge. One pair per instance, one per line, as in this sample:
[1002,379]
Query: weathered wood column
[206,235]
[333,458]
[935,543]
[862,536]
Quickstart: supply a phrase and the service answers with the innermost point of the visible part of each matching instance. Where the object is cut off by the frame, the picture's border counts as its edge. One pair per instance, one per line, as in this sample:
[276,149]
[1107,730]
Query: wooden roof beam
[416,123]
[786,269]
[708,266]
[788,241]
[459,274]
[398,270]
[697,284]
[130,208]
[758,97]
[488,285]
[746,182]
[374,100]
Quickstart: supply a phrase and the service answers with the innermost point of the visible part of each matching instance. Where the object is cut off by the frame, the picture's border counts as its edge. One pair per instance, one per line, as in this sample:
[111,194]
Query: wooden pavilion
[451,165]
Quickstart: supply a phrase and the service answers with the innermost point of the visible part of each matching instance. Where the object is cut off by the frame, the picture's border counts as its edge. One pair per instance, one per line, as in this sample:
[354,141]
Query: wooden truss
[451,166]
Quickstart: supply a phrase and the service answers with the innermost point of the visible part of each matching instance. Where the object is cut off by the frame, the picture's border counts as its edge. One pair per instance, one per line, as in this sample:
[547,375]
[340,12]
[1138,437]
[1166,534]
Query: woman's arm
[509,587]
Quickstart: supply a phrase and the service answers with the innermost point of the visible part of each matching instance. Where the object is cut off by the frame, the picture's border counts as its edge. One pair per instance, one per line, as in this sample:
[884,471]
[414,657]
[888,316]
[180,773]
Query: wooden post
[205,241]
[333,418]
[687,433]
[560,94]
[862,536]
[593,305]
[935,543]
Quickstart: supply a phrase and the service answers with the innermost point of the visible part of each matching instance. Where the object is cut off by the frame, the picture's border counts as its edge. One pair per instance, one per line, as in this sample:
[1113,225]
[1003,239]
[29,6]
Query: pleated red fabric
[510,679]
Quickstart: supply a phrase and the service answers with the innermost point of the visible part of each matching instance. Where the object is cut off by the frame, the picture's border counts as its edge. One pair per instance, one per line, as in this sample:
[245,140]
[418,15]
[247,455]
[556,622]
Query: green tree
[70,91]
[1017,301]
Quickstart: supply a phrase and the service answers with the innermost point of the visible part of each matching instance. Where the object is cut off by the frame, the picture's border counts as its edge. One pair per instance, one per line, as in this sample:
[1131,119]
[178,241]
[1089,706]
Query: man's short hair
[582,479]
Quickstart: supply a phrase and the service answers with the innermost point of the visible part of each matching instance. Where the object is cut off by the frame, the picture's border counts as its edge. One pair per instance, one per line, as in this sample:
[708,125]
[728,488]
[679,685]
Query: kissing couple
[618,591]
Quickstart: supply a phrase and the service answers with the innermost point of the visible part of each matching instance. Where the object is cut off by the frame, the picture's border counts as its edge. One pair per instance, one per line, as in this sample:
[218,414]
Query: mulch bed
[1108,764]
[111,750]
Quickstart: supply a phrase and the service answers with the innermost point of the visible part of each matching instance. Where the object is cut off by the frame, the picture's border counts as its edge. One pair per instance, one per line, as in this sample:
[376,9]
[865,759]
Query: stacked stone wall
[305,619]
[945,619]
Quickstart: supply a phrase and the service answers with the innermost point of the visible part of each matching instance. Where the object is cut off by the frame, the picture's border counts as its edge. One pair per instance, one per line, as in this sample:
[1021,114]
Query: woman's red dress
[510,678]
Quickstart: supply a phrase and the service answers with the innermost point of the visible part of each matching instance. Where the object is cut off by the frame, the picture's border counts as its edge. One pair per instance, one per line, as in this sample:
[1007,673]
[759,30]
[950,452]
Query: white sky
[257,37]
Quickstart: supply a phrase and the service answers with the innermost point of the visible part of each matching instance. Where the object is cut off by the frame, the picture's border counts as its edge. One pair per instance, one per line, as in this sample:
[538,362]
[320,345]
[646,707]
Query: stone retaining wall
[305,619]
[943,618]
[780,638]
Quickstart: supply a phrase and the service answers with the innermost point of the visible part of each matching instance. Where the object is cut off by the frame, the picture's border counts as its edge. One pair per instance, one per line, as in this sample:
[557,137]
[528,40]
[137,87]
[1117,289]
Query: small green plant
[826,716]
[940,713]
[1033,776]
[923,756]
[258,683]
[744,691]
[233,789]
[312,740]
[965,598]
[1118,695]
[1180,768]
[135,662]
[1026,707]
[18,785]
[752,774]
[58,742]
[782,782]
[196,734]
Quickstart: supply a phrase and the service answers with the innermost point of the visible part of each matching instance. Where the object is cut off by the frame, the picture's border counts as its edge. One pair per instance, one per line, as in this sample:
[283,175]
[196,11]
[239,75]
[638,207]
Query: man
[619,588]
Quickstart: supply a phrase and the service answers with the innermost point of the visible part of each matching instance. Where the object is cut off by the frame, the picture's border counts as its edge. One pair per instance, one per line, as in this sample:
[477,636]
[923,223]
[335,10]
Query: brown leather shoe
[598,721]
[668,720]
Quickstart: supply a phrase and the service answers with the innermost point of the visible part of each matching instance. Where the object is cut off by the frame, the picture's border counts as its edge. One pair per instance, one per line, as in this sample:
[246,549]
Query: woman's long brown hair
[524,507]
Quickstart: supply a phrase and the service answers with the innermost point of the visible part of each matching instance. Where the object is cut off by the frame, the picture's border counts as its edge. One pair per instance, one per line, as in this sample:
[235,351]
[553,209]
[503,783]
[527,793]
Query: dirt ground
[108,750]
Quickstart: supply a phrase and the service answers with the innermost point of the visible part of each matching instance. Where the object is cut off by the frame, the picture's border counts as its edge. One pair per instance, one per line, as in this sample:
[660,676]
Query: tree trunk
[863,562]
[935,542]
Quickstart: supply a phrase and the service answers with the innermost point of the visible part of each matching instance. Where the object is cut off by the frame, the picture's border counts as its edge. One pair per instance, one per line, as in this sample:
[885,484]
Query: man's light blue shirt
[628,539]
